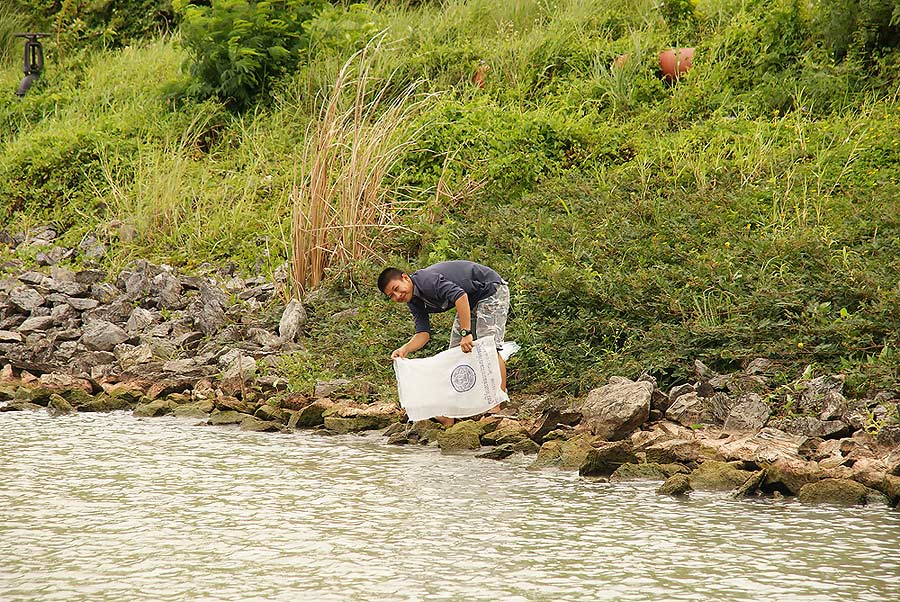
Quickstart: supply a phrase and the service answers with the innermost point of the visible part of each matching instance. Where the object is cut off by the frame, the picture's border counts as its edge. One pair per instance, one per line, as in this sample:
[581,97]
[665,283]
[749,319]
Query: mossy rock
[77,397]
[59,406]
[507,434]
[605,459]
[500,452]
[548,455]
[198,409]
[105,403]
[356,424]
[252,423]
[751,485]
[271,413]
[461,436]
[7,392]
[676,485]
[19,405]
[157,407]
[36,395]
[310,416]
[574,452]
[427,430]
[718,476]
[179,398]
[639,472]
[838,492]
[220,417]
[527,447]
[890,486]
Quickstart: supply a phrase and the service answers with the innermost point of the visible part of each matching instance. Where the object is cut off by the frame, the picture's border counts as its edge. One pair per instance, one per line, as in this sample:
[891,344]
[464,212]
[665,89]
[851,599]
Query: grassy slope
[748,210]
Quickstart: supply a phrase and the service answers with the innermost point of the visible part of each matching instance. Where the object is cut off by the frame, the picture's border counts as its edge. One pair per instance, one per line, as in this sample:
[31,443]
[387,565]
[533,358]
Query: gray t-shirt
[437,287]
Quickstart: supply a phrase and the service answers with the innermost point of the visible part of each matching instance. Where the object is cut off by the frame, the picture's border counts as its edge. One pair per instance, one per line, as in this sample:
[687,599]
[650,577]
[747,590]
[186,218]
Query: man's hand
[466,343]
[399,352]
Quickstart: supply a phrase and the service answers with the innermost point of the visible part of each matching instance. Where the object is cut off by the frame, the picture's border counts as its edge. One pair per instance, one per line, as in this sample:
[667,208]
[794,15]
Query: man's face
[400,290]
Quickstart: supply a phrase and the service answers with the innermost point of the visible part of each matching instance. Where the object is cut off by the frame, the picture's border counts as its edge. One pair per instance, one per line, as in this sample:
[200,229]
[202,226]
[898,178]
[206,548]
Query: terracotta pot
[620,61]
[674,62]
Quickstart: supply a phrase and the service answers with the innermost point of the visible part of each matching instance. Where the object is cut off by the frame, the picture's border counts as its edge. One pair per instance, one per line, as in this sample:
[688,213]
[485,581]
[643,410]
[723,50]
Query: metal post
[34,60]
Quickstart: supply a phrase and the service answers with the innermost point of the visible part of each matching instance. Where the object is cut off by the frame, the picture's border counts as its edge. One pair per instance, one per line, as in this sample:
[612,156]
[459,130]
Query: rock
[677,451]
[574,452]
[813,427]
[130,356]
[507,434]
[717,476]
[251,423]
[59,405]
[890,486]
[7,336]
[82,304]
[105,403]
[841,492]
[198,409]
[90,277]
[20,405]
[292,320]
[167,291]
[139,319]
[759,365]
[690,409]
[549,455]
[834,406]
[615,410]
[219,417]
[526,446]
[676,485]
[500,452]
[631,471]
[36,324]
[233,403]
[353,424]
[310,415]
[242,367]
[157,407]
[888,436]
[329,388]
[91,247]
[750,413]
[263,337]
[789,476]
[463,435]
[606,458]
[100,335]
[350,418]
[24,298]
[53,256]
[550,420]
[750,486]
[211,316]
[702,371]
[271,413]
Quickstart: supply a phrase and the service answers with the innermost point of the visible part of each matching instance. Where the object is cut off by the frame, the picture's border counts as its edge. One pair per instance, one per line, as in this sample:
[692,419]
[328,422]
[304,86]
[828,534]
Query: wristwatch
[464,333]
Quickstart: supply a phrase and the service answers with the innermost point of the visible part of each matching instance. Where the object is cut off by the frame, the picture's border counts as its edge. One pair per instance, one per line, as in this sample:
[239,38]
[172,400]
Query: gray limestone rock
[139,319]
[7,336]
[293,319]
[100,335]
[750,413]
[36,324]
[25,298]
[615,410]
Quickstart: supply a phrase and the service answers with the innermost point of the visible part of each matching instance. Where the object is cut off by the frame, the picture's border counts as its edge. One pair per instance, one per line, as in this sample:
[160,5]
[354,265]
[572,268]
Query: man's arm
[417,341]
[465,322]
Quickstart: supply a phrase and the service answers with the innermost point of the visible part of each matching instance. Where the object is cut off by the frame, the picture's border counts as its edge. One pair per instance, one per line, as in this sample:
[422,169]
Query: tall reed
[342,198]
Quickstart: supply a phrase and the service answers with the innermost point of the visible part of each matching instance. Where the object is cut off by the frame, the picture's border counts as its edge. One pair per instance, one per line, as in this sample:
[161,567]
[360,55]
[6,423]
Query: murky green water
[109,507]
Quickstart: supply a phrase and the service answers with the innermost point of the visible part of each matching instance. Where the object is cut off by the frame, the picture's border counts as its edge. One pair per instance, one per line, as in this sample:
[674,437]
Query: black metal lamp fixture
[34,60]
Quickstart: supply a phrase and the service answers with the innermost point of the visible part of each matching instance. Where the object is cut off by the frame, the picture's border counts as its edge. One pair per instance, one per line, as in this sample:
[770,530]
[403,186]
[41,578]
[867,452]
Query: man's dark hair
[387,276]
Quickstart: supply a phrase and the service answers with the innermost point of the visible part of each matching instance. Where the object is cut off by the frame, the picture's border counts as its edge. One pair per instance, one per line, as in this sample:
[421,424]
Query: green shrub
[238,47]
[863,26]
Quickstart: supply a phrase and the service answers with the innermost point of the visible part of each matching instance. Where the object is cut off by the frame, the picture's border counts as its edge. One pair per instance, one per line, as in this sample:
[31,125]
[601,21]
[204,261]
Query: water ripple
[109,507]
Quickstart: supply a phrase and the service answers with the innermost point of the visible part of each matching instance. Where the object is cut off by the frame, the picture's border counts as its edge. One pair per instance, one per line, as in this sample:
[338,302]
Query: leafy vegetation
[746,209]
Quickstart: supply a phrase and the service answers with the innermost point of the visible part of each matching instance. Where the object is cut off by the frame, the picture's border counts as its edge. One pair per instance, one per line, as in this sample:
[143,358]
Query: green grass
[750,209]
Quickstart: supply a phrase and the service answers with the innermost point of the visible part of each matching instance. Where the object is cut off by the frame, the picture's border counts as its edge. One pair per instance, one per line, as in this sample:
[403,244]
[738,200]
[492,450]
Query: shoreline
[156,343]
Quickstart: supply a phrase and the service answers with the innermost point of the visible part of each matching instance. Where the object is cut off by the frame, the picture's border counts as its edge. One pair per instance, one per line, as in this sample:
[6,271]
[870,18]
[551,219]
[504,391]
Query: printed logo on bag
[462,378]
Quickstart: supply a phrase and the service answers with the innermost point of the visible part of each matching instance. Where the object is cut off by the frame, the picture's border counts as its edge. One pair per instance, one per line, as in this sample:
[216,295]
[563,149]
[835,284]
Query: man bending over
[479,294]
